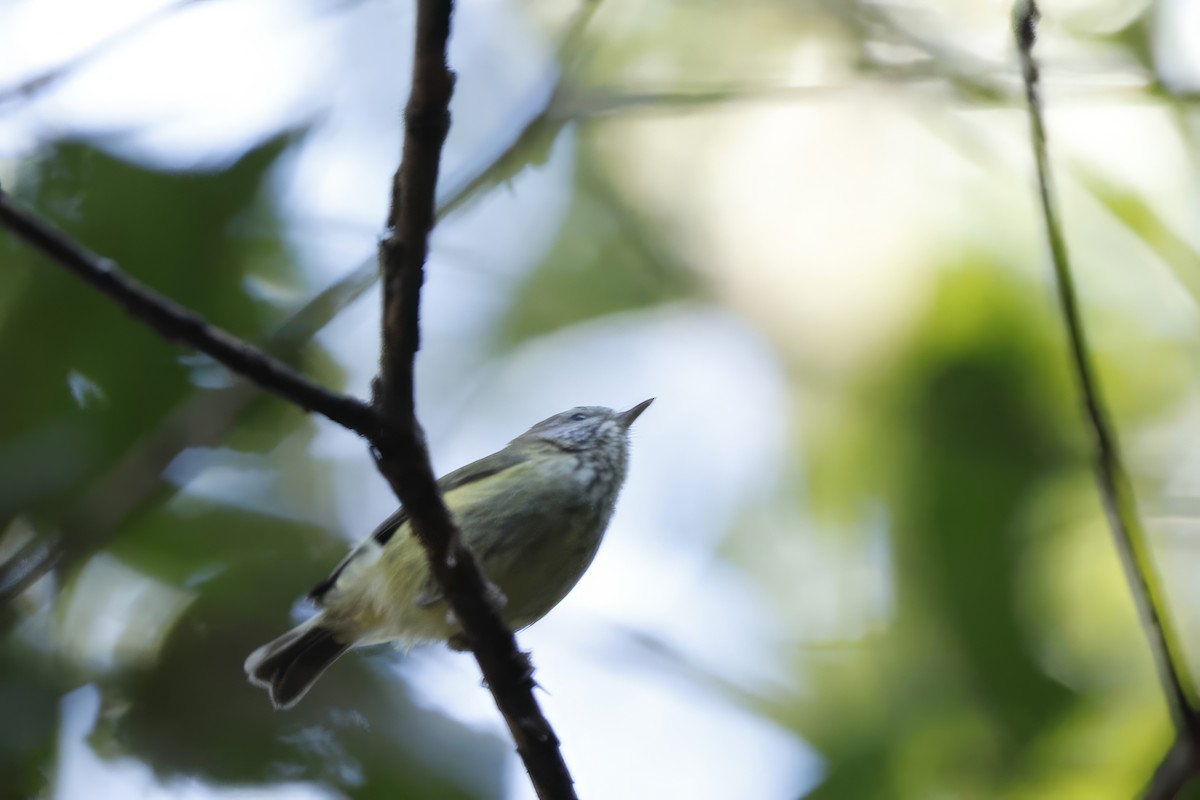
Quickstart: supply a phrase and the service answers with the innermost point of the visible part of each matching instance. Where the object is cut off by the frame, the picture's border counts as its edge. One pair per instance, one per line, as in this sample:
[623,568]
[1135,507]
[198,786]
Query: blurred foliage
[962,433]
[607,259]
[194,237]
[976,682]
[193,713]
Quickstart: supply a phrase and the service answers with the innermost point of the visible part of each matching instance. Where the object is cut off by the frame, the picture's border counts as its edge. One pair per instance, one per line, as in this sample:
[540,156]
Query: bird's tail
[288,666]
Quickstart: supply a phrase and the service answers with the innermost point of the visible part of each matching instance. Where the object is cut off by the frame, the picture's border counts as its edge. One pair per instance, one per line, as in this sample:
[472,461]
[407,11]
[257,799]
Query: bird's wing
[485,467]
[475,471]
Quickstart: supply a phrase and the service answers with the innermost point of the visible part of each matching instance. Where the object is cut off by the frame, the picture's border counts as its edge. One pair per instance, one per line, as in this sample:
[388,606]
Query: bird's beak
[626,418]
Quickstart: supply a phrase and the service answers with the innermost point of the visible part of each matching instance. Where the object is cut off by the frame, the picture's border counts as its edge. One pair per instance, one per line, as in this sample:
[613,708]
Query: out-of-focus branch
[1142,219]
[539,133]
[23,568]
[1178,767]
[507,671]
[1116,490]
[28,87]
[610,103]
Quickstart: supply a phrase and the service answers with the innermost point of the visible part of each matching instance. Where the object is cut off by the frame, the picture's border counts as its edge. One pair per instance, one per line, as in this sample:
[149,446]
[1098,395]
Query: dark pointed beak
[626,418]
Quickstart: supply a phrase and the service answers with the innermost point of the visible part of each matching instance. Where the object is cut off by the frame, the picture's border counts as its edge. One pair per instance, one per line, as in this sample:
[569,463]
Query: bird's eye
[578,417]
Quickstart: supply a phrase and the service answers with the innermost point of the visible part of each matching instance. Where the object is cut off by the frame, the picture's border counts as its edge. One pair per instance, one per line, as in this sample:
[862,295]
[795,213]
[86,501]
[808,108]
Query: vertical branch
[404,458]
[1116,490]
[414,191]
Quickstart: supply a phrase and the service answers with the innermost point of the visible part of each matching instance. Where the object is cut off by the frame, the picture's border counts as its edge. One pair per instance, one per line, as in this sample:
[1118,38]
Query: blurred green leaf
[962,433]
[29,697]
[98,378]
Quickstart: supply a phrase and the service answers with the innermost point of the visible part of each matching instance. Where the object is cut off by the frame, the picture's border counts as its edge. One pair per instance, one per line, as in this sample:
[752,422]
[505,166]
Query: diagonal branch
[1116,490]
[507,671]
[203,418]
[173,321]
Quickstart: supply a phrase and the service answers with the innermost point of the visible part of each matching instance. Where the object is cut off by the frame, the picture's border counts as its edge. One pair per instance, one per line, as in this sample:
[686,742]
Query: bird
[533,514]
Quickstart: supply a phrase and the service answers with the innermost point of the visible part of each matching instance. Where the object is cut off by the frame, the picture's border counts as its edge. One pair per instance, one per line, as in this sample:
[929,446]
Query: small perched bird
[533,514]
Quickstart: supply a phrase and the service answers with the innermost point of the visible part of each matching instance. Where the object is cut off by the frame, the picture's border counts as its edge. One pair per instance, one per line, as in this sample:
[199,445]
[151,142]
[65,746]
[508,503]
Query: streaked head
[584,427]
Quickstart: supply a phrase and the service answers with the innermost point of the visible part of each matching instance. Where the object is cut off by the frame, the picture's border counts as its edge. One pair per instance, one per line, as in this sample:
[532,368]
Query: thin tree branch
[23,568]
[507,671]
[1116,490]
[174,322]
[203,418]
[1174,772]
[414,189]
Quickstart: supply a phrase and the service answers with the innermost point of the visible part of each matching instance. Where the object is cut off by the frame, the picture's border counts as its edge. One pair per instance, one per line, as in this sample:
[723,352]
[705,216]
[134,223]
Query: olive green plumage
[533,513]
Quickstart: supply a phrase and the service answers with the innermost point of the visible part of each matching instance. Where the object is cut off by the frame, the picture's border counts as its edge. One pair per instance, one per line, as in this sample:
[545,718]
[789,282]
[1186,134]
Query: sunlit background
[859,554]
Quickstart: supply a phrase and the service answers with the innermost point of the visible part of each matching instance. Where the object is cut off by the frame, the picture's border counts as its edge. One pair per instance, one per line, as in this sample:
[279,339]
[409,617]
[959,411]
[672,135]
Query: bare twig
[1128,207]
[1116,490]
[1174,772]
[507,671]
[23,568]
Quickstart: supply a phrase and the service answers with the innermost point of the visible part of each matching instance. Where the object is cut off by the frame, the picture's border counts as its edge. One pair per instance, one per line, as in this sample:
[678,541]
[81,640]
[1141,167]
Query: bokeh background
[859,555]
